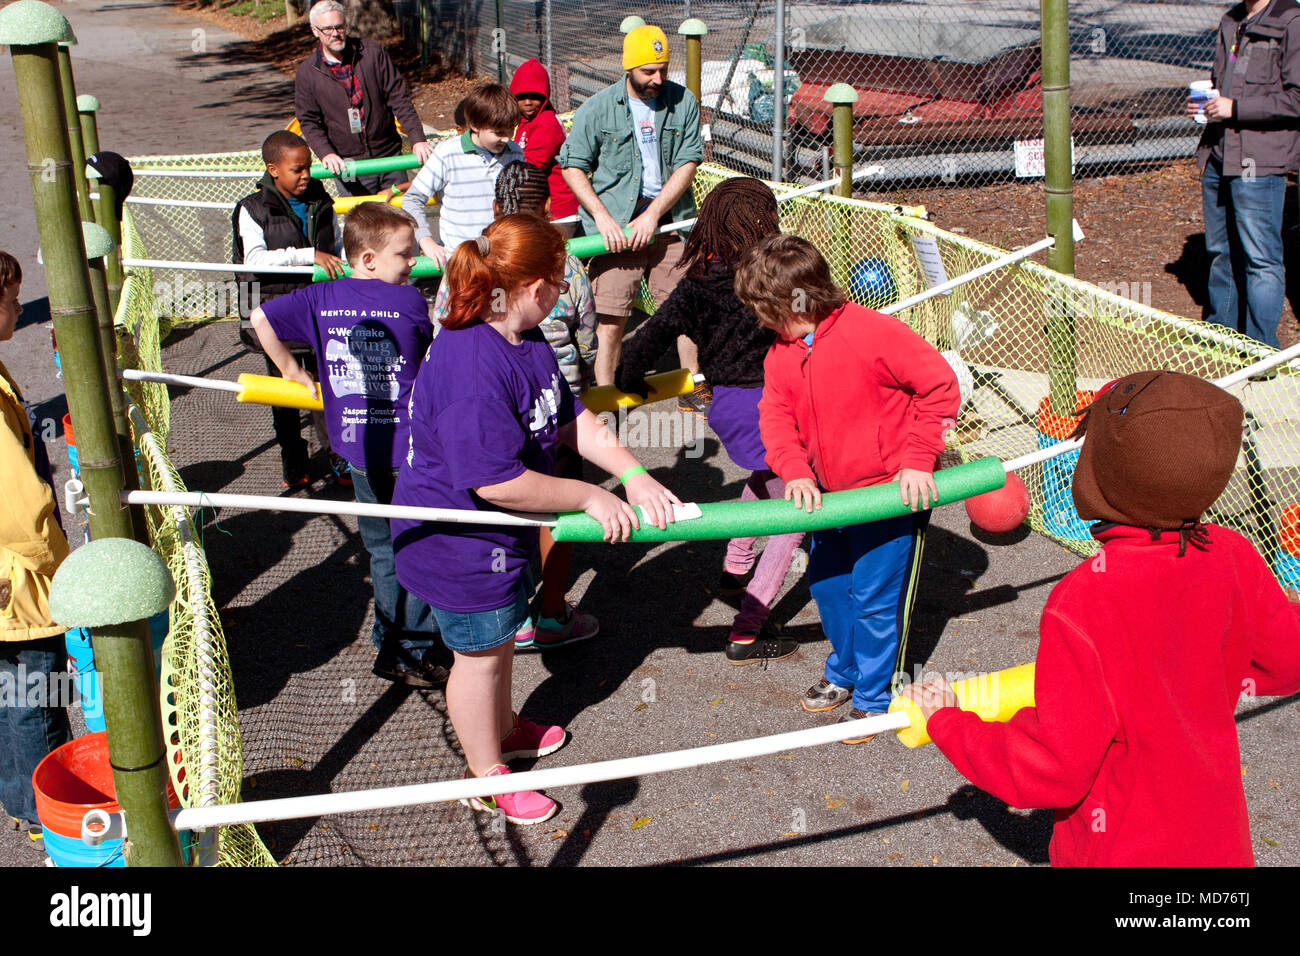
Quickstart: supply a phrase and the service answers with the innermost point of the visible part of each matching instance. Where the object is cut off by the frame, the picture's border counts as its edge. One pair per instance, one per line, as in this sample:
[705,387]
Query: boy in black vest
[287,221]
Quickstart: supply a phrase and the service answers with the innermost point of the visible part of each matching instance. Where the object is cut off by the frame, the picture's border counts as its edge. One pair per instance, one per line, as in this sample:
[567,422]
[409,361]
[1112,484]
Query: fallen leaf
[785,756]
[559,834]
[884,839]
[894,856]
[586,834]
[716,701]
[903,786]
[1268,841]
[374,826]
[834,803]
[710,733]
[640,822]
[934,859]
[1275,785]
[641,706]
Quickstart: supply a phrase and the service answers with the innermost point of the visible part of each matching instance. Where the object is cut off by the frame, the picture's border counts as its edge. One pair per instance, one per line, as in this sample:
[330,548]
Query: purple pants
[772,565]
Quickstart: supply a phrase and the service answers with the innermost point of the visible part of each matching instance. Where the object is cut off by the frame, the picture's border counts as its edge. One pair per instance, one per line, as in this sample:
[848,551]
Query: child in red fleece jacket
[851,397]
[541,136]
[1144,649]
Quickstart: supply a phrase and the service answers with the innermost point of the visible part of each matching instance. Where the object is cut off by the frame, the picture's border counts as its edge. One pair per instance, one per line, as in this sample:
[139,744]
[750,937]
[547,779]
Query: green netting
[201,717]
[1004,333]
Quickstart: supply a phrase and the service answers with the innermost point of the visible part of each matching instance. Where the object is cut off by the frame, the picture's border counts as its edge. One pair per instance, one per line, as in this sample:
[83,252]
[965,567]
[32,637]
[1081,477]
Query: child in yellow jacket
[32,546]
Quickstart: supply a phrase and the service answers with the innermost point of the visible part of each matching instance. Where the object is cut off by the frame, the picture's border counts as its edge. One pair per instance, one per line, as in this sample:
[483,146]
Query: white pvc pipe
[185,203]
[1001,262]
[292,808]
[140,375]
[203,499]
[201,173]
[216,266]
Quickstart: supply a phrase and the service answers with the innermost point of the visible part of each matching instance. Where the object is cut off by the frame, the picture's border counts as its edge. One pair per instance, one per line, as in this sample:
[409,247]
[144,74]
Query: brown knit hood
[1160,448]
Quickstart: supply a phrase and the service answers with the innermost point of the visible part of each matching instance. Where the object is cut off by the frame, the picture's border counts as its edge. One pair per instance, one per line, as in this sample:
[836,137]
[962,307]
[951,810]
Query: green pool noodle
[743,519]
[582,247]
[368,167]
[110,581]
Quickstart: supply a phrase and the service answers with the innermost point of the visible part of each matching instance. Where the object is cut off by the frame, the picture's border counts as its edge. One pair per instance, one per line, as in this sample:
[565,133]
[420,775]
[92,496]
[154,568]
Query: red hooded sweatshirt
[868,398]
[542,136]
[1141,659]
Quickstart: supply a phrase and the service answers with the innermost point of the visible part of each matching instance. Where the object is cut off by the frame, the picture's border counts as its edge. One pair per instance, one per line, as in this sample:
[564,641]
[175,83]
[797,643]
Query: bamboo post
[841,96]
[69,91]
[1059,189]
[99,248]
[694,31]
[122,650]
[290,13]
[106,204]
[778,96]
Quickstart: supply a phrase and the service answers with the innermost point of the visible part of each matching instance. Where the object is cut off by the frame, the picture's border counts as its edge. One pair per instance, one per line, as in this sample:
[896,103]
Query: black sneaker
[295,478]
[422,675]
[341,469]
[729,585]
[766,647]
[697,401]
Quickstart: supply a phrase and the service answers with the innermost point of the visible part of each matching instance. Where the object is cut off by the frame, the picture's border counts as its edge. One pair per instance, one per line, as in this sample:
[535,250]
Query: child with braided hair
[570,329]
[703,307]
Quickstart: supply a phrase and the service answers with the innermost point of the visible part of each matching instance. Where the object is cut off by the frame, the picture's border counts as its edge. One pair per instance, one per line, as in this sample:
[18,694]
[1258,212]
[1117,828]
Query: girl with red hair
[488,411]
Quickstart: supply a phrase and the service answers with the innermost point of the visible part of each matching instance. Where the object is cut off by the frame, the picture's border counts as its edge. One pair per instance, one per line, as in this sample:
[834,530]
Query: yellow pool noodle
[996,696]
[268,390]
[607,398]
[345,204]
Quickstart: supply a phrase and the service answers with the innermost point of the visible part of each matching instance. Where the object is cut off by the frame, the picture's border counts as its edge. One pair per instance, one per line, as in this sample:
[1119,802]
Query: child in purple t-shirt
[488,411]
[368,333]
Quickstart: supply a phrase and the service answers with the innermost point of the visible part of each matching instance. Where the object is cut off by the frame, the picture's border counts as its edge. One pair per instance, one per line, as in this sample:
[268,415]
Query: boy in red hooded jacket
[1144,649]
[541,136]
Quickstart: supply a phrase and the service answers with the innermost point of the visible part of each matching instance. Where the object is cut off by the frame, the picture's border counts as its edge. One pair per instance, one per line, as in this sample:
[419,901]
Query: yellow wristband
[635,470]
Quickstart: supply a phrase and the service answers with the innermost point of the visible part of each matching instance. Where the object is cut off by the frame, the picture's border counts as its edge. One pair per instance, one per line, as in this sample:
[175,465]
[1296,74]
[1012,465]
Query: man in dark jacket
[346,94]
[1251,141]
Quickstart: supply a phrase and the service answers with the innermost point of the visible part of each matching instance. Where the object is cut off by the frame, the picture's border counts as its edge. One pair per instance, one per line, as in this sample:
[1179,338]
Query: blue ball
[871,283]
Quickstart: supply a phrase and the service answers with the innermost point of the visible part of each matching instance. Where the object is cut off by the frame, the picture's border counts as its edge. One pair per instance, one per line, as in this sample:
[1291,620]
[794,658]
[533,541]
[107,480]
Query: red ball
[1002,509]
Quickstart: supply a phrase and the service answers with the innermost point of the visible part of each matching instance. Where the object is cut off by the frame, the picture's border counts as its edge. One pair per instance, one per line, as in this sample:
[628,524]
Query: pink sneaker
[527,631]
[524,808]
[529,739]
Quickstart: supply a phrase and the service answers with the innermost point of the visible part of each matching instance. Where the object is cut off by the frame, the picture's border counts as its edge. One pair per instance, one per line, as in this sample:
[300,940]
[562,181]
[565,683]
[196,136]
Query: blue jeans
[863,579]
[404,625]
[1243,235]
[32,719]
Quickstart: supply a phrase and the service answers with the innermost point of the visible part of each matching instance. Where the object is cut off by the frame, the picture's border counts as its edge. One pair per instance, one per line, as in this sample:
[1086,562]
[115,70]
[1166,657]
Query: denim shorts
[467,632]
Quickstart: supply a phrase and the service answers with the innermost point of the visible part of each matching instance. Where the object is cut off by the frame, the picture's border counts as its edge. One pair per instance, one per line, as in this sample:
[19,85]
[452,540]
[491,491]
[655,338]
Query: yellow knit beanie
[643,46]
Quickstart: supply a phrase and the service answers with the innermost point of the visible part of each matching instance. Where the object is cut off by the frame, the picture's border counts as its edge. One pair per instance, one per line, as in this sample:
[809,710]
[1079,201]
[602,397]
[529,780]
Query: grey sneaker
[824,695]
[855,714]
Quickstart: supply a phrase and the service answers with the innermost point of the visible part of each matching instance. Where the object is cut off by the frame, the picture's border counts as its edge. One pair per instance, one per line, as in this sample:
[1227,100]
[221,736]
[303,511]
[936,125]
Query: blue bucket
[81,665]
[1287,567]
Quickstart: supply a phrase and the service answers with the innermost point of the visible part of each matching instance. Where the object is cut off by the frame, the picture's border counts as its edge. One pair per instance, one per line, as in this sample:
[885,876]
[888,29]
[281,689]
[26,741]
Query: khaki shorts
[616,279]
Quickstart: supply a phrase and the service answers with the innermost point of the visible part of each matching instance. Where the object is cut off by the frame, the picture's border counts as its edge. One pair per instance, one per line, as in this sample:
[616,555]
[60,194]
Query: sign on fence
[1031,161]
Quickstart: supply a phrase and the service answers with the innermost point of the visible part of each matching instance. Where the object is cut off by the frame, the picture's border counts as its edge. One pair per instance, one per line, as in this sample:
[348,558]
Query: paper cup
[1200,93]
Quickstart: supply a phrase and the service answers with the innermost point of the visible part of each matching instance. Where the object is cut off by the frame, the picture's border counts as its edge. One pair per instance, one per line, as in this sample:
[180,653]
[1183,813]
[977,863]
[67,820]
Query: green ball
[110,581]
[30,23]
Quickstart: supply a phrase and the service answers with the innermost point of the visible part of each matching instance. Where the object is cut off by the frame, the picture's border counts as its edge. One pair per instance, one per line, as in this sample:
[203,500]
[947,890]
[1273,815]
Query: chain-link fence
[948,92]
